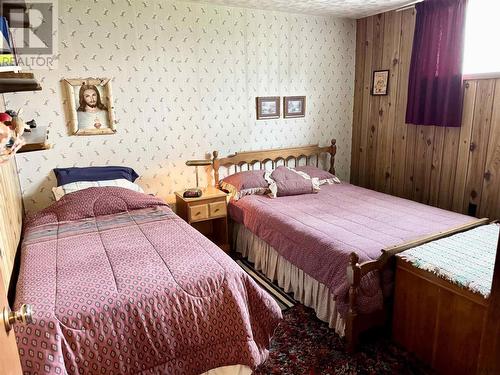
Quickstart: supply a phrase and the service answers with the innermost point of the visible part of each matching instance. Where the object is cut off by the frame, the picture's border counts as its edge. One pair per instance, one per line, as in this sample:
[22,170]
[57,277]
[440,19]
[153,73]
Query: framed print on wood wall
[268,107]
[89,106]
[294,106]
[380,84]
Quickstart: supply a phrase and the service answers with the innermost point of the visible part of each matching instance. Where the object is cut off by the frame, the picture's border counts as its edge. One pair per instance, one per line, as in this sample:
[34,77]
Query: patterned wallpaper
[185,78]
[337,8]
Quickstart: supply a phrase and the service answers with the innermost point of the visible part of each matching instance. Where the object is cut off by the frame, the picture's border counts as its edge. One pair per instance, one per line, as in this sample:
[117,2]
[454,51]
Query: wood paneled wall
[452,168]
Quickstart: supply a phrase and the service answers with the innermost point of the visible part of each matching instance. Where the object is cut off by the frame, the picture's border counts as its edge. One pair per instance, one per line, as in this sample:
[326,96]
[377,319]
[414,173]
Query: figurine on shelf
[17,123]
[31,123]
[5,118]
[5,136]
[10,143]
[5,131]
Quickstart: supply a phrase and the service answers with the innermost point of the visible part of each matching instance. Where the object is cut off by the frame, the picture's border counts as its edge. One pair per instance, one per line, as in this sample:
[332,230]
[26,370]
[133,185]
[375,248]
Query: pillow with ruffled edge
[285,181]
[324,177]
[245,183]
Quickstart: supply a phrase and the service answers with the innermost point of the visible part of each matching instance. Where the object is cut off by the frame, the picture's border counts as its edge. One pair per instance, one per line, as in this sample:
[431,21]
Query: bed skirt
[290,278]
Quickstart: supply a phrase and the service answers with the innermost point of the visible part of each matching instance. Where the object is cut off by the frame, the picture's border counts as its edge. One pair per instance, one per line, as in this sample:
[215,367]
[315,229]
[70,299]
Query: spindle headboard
[250,158]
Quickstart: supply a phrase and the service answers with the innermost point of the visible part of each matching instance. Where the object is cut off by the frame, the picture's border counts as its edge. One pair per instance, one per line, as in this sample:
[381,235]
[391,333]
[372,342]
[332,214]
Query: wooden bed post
[215,166]
[333,151]
[354,278]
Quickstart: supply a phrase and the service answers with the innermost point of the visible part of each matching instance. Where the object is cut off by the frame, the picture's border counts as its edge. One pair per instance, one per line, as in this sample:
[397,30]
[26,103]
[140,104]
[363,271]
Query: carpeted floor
[303,344]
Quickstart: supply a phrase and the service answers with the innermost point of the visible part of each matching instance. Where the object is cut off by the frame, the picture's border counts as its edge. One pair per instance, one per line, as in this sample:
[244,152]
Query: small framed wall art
[268,107]
[89,106]
[380,84]
[294,106]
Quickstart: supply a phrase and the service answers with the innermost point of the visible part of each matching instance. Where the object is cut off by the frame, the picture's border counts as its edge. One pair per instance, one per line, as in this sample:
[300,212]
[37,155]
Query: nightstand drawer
[198,212]
[207,214]
[217,209]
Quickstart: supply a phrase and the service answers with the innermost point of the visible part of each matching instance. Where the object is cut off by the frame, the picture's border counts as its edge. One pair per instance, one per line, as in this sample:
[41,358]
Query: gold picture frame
[89,106]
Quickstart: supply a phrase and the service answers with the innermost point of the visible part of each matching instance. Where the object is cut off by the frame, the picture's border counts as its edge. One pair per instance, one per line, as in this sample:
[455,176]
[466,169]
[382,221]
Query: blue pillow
[67,175]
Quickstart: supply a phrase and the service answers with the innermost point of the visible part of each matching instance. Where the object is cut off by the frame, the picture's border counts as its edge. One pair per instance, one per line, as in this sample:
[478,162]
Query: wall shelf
[16,82]
[36,140]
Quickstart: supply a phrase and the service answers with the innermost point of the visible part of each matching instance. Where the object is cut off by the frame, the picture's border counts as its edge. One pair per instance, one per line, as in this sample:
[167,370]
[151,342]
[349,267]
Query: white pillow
[62,190]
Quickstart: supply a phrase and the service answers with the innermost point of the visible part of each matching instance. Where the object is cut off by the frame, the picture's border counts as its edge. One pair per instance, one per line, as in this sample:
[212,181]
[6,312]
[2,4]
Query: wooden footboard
[356,323]
[452,318]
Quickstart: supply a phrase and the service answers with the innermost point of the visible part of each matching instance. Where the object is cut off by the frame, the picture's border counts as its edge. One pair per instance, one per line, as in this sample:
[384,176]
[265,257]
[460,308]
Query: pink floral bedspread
[121,285]
[318,232]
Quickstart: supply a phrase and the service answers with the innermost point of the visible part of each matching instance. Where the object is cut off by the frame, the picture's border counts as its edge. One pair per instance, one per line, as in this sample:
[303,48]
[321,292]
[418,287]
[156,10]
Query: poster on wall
[89,106]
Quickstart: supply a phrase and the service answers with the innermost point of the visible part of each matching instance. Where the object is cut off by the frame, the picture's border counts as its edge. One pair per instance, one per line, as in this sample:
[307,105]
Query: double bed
[331,249]
[120,284]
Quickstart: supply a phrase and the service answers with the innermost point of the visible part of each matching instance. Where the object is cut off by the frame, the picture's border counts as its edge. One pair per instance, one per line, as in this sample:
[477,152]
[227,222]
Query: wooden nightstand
[208,214]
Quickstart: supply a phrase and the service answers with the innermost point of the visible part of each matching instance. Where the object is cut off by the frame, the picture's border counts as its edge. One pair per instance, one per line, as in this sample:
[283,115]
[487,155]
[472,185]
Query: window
[482,53]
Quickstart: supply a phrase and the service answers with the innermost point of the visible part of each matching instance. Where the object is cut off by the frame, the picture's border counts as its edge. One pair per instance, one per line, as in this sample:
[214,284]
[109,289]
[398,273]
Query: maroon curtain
[435,92]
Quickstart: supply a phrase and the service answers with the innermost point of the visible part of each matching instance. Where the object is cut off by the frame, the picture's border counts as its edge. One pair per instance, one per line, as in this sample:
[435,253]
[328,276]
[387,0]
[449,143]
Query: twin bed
[120,284]
[174,302]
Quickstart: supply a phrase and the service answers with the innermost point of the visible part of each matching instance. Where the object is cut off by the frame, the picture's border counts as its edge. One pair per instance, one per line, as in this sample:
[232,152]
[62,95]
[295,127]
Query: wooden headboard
[11,218]
[311,153]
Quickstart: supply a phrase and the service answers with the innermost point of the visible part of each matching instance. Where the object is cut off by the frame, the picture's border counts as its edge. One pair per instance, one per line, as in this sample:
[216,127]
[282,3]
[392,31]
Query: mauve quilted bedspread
[317,232]
[121,285]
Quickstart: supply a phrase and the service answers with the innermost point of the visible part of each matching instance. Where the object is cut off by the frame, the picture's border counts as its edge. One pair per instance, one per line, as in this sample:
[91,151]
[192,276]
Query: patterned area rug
[303,344]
